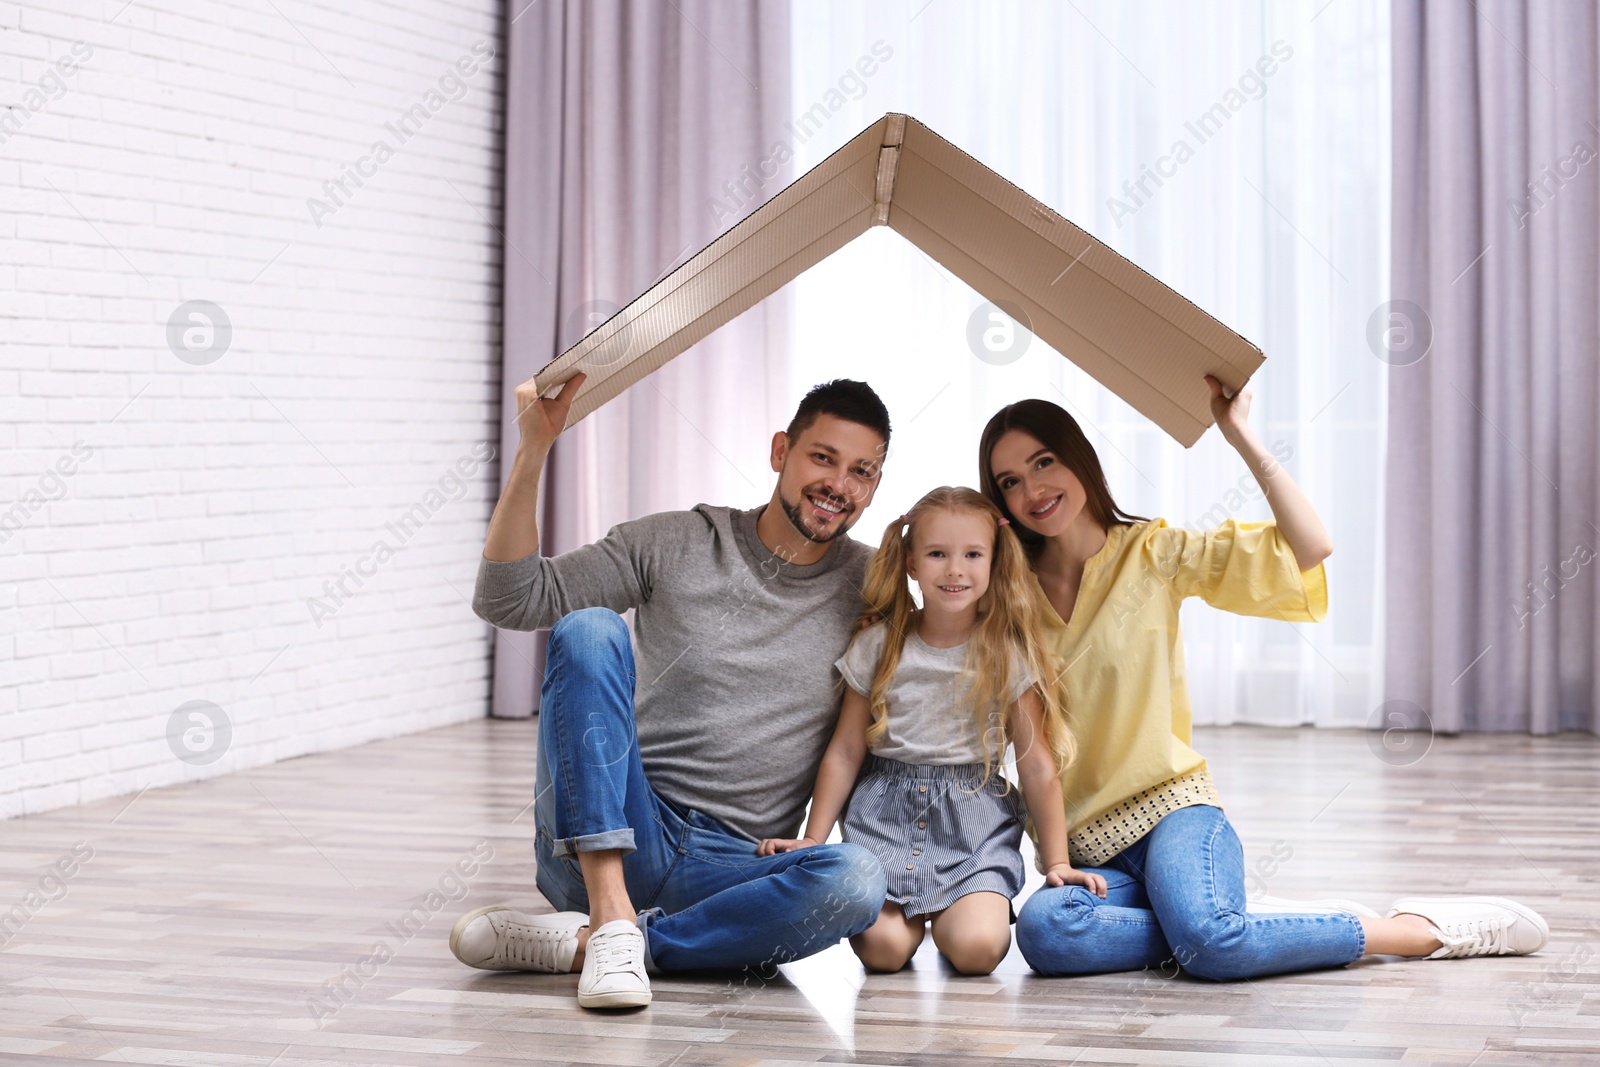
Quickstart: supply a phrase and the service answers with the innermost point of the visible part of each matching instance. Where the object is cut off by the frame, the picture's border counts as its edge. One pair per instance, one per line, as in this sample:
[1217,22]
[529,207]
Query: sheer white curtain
[1273,216]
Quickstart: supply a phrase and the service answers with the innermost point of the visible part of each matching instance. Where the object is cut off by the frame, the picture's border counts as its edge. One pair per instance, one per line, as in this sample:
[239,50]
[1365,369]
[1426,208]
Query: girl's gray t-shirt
[930,720]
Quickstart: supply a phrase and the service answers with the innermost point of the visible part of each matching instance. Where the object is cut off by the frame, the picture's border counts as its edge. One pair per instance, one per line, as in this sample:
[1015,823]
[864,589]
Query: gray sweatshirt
[737,693]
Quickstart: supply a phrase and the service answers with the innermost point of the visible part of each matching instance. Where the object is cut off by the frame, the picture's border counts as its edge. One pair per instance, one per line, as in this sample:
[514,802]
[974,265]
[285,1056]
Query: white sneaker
[1322,906]
[497,938]
[1478,926]
[613,968]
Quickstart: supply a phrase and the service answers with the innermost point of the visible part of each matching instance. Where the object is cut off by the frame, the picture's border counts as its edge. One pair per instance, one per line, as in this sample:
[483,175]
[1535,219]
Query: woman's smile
[1045,510]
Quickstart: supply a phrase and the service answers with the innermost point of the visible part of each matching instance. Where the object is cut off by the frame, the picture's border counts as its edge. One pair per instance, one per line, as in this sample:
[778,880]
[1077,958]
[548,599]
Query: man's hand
[773,845]
[541,419]
[1066,874]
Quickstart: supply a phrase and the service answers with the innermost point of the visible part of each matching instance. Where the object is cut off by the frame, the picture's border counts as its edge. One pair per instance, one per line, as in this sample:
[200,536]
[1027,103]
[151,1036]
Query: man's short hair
[843,398]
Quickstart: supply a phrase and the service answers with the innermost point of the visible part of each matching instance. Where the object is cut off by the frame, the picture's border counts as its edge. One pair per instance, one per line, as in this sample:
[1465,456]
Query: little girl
[935,695]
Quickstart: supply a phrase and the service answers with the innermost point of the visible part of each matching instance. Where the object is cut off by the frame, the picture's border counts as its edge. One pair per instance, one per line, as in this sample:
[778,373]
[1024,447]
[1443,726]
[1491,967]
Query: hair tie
[1004,521]
[901,521]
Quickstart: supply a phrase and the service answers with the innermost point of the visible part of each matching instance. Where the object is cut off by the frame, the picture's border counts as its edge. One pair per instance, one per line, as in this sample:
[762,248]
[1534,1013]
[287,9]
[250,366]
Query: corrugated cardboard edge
[1133,333]
[815,216]
[1136,335]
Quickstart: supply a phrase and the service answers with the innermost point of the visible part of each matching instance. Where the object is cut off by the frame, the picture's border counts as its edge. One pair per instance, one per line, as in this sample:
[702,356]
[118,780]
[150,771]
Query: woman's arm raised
[1297,519]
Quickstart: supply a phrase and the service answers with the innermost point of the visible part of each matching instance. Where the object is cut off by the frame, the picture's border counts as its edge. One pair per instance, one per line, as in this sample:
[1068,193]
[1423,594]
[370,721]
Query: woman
[1142,808]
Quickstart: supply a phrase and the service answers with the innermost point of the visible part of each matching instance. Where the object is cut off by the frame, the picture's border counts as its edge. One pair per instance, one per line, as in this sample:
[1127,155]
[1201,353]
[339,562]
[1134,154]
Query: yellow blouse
[1123,676]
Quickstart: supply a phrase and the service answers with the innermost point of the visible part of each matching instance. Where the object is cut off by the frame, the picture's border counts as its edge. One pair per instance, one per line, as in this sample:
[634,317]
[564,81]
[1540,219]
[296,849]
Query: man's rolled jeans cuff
[601,842]
[644,928]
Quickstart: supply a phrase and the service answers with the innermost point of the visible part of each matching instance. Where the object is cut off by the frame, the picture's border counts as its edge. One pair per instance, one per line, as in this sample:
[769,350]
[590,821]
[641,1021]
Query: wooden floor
[261,919]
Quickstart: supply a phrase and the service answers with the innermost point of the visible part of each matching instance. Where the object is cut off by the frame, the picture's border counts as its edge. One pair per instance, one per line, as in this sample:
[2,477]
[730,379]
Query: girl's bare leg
[888,944]
[974,933]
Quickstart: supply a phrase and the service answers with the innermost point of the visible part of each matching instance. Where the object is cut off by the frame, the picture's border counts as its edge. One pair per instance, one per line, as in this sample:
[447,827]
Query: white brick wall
[206,504]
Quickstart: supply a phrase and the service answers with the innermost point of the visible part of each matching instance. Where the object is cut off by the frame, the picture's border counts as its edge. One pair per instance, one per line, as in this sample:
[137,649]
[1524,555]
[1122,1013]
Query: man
[662,762]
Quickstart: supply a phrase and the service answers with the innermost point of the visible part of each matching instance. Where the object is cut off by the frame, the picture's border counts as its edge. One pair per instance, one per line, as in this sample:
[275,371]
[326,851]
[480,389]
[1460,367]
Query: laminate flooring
[297,915]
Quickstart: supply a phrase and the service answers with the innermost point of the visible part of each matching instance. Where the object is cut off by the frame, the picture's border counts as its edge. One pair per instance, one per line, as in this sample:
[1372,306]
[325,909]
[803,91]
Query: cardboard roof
[1137,336]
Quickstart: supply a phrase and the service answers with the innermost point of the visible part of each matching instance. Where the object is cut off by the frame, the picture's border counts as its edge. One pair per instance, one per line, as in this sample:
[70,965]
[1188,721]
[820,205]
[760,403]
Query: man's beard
[797,519]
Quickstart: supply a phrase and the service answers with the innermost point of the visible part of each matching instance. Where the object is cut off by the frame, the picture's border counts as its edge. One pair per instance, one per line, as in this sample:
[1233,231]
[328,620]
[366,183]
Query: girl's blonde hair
[1010,619]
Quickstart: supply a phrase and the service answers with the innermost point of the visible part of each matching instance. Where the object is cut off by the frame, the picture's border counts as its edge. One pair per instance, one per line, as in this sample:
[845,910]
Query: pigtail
[888,600]
[1010,627]
[1021,603]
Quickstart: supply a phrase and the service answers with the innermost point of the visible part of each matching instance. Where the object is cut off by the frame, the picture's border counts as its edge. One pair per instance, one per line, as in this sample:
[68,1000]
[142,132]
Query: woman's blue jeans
[1177,897]
[707,899]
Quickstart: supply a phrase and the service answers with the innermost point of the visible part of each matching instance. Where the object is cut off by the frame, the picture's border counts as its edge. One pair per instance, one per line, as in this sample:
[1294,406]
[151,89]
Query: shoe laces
[613,952]
[532,946]
[1480,937]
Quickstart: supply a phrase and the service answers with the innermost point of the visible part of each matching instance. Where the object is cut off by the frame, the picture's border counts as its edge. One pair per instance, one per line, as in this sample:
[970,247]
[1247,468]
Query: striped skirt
[941,832]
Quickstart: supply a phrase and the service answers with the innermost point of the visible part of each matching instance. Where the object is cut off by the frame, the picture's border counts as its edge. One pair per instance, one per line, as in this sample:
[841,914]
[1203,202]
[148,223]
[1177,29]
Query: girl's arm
[1296,518]
[841,763]
[1041,788]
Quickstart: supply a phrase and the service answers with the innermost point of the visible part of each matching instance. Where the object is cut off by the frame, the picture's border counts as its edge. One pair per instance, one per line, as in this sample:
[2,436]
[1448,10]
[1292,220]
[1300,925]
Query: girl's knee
[976,952]
[974,933]
[888,944]
[881,954]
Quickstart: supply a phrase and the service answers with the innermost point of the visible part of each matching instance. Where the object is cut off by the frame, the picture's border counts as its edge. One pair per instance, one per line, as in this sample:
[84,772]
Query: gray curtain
[1492,450]
[626,126]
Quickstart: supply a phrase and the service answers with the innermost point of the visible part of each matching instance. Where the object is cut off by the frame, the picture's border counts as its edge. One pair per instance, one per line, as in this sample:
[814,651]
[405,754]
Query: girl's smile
[950,563]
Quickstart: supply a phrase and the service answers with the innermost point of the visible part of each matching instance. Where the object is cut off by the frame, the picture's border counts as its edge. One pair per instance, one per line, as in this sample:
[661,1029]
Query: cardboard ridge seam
[888,163]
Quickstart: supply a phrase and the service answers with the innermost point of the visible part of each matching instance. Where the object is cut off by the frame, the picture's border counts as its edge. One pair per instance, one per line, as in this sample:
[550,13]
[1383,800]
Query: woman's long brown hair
[1010,620]
[1052,426]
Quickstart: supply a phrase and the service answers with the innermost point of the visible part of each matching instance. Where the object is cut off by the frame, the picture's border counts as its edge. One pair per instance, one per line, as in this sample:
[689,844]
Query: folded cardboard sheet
[1137,336]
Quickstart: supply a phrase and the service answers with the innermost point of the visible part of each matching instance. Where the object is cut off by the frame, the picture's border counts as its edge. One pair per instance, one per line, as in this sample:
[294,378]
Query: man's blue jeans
[706,899]
[1177,896]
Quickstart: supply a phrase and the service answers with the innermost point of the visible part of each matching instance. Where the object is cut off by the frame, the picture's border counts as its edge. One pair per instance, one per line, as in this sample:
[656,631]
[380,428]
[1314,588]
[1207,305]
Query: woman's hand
[1296,518]
[773,845]
[1066,874]
[1231,412]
